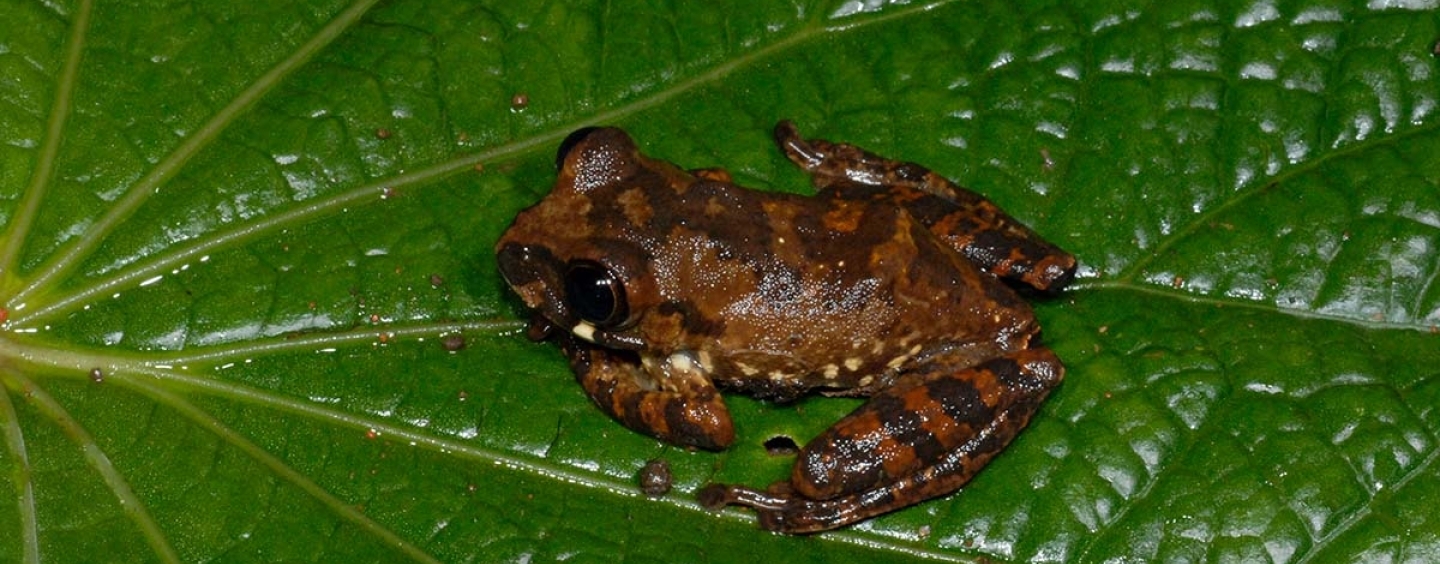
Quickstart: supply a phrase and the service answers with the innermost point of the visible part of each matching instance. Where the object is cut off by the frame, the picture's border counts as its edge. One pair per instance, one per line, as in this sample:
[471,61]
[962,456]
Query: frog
[665,286]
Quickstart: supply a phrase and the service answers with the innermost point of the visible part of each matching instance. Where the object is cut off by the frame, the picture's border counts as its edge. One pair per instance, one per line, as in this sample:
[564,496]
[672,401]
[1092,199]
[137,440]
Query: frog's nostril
[569,144]
[511,259]
[523,264]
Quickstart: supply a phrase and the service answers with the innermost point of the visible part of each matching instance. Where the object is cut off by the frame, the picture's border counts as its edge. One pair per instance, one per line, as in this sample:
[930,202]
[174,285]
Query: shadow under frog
[663,286]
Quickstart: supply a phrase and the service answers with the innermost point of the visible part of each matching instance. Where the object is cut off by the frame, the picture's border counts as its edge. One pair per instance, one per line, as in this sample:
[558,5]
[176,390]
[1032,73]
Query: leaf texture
[251,311]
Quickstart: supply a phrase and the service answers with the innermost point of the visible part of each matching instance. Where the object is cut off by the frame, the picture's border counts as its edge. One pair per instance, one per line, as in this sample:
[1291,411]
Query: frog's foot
[839,164]
[925,437]
[786,512]
[972,224]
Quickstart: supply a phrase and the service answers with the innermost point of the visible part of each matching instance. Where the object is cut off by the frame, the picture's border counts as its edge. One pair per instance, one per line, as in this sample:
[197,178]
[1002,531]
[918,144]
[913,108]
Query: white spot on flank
[584,330]
[746,369]
[831,371]
[866,381]
[897,361]
[852,364]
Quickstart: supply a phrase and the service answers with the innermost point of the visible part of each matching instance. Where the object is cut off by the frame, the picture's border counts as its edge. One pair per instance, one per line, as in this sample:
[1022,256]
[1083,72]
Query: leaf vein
[1354,518]
[73,254]
[285,471]
[1218,301]
[1200,221]
[130,503]
[15,442]
[44,172]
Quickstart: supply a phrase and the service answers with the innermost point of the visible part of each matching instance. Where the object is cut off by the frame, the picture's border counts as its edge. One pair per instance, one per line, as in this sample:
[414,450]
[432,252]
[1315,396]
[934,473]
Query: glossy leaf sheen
[253,312]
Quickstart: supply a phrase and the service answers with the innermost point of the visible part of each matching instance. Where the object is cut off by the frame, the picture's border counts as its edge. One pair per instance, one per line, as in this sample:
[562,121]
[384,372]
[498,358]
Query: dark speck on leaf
[781,446]
[453,342]
[655,479]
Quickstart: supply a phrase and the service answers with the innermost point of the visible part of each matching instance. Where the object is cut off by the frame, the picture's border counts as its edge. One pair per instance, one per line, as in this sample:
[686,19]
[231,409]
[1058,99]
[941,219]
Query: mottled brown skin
[663,286]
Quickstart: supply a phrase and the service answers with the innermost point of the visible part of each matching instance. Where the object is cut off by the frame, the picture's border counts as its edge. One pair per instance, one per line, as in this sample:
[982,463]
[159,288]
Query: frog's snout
[514,263]
[528,270]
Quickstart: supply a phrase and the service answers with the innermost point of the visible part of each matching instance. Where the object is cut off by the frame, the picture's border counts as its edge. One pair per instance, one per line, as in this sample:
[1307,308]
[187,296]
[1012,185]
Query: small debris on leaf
[655,478]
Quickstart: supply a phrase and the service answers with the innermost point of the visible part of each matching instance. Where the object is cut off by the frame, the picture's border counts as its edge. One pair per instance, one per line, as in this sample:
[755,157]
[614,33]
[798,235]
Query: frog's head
[576,257]
[593,259]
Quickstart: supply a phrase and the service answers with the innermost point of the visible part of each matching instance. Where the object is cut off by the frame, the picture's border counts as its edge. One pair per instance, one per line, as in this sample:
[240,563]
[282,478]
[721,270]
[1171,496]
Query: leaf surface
[252,311]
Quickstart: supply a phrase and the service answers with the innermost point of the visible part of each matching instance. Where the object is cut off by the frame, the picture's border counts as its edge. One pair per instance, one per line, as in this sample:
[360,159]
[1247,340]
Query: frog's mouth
[580,342]
[542,327]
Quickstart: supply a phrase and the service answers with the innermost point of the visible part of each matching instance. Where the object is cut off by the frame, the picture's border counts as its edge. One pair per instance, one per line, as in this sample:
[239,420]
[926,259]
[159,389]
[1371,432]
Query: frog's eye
[595,294]
[569,144]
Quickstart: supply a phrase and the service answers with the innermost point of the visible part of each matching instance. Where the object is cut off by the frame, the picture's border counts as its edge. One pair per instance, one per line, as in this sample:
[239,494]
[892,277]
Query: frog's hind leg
[685,409]
[982,231]
[923,438]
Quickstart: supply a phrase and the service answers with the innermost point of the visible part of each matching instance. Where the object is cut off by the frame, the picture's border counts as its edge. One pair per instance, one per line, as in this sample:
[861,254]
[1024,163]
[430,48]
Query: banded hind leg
[922,438]
[974,225]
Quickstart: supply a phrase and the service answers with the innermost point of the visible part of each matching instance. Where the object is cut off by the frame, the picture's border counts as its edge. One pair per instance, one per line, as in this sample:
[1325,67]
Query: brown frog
[664,286]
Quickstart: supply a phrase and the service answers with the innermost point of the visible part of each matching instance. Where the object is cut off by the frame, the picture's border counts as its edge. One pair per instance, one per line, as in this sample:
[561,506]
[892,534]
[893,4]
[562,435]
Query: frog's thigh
[977,227]
[924,438]
[691,413]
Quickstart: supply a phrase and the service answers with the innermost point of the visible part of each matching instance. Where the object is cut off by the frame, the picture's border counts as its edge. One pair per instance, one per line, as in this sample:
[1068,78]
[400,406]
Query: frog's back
[821,291]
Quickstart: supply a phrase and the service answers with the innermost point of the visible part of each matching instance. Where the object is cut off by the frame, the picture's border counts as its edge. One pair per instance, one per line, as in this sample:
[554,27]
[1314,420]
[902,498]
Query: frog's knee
[702,422]
[833,465]
[705,425]
[873,446]
[1035,369]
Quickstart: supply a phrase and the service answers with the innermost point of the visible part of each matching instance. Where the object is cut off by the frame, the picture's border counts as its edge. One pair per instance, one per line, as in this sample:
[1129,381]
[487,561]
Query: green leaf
[243,242]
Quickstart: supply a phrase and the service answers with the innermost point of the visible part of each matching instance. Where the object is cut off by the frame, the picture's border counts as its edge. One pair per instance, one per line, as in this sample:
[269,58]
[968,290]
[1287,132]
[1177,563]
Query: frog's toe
[797,148]
[716,496]
[777,511]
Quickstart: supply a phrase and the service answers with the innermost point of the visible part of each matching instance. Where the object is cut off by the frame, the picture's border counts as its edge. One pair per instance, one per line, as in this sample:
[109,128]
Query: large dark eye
[569,144]
[595,294]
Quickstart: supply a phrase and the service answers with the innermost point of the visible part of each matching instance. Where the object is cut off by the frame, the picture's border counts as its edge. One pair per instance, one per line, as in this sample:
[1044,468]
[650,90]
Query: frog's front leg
[974,225]
[669,399]
[925,437]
